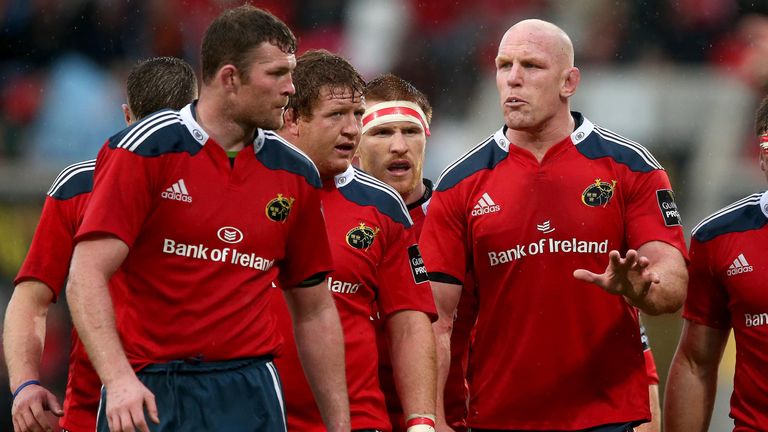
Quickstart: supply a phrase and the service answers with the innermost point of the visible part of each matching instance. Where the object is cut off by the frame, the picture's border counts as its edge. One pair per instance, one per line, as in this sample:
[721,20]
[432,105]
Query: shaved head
[535,77]
[548,36]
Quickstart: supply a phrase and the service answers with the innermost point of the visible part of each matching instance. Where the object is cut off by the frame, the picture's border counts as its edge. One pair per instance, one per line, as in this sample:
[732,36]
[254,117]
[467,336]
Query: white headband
[394,111]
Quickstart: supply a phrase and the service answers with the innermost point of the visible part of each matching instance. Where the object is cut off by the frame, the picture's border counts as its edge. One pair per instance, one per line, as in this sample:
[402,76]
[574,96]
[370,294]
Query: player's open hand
[628,276]
[32,409]
[126,400]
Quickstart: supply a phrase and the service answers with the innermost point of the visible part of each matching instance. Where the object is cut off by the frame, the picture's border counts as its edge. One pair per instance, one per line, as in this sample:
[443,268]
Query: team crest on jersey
[279,208]
[362,236]
[598,193]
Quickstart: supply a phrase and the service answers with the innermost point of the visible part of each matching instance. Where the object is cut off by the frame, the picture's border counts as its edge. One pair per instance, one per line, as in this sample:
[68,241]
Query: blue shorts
[615,427]
[236,395]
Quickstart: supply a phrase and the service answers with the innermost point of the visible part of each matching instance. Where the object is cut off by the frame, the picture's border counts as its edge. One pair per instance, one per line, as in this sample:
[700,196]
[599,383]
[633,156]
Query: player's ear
[127,115]
[229,77]
[570,82]
[291,121]
[763,162]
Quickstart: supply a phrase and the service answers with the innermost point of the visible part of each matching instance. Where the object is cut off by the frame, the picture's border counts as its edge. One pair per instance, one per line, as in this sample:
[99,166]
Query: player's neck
[225,131]
[415,194]
[539,140]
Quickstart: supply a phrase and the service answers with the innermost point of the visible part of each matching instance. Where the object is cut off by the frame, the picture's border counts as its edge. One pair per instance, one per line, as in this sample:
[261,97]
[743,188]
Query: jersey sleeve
[403,283]
[307,250]
[651,212]
[650,363]
[123,194]
[442,240]
[51,250]
[707,300]
[650,368]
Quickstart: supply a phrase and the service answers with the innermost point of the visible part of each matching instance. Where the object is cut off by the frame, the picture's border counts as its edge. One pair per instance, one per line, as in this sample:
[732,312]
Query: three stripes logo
[740,265]
[230,234]
[485,205]
[546,227]
[177,192]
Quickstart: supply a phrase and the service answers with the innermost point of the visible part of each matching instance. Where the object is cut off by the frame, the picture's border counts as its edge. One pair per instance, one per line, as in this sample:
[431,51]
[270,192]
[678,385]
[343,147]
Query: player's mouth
[345,149]
[515,101]
[399,167]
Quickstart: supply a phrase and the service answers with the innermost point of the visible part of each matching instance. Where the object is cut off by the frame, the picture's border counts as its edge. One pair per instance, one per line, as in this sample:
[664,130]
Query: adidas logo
[177,192]
[740,265]
[485,205]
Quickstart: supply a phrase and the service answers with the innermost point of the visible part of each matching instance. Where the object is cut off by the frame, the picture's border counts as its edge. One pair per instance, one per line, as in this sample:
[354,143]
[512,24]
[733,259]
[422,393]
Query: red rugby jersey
[376,262]
[545,351]
[206,238]
[48,262]
[728,288]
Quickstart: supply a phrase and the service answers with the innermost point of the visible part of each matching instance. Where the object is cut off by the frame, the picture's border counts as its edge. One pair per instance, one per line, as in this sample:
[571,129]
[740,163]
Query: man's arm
[412,347]
[320,344]
[23,341]
[653,278]
[655,424]
[692,383]
[446,299]
[93,263]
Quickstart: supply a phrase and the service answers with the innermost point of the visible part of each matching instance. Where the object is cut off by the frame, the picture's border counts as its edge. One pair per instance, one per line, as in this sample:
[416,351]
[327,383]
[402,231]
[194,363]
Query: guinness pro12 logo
[362,236]
[279,208]
[598,193]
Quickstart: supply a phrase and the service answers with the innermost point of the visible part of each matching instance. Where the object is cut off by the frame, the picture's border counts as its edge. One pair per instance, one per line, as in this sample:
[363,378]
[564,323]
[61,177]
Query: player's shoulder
[278,154]
[73,180]
[595,142]
[162,132]
[483,156]
[746,214]
[364,190]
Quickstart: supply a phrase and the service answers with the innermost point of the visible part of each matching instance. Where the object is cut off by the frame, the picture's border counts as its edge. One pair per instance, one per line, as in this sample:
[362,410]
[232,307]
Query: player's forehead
[268,55]
[334,97]
[535,39]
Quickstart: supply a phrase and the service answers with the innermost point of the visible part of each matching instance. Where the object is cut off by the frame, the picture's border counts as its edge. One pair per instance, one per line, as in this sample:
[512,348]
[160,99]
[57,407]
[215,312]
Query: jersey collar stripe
[637,148]
[139,140]
[744,202]
[146,124]
[378,184]
[281,140]
[455,163]
[57,182]
[278,390]
[68,177]
[194,128]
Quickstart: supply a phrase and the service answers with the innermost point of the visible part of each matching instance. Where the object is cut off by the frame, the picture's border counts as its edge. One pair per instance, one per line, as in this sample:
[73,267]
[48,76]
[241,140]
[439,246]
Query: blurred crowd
[63,64]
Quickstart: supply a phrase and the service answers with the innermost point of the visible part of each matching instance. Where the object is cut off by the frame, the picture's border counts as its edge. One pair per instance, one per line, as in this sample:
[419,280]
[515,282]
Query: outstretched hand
[628,276]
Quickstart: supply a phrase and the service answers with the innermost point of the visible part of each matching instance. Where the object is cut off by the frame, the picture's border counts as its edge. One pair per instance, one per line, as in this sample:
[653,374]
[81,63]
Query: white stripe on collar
[345,178]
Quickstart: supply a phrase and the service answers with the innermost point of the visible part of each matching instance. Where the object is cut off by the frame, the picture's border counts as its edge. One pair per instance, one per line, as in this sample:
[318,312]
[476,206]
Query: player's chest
[357,238]
[741,265]
[584,202]
[205,203]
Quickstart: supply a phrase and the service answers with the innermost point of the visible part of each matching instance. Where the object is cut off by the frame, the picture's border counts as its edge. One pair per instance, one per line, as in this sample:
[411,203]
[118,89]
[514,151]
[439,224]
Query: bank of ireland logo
[598,193]
[362,236]
[230,235]
[279,208]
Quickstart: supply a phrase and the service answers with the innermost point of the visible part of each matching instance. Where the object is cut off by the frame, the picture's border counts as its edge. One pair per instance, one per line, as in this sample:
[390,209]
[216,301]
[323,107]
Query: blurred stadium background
[682,77]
